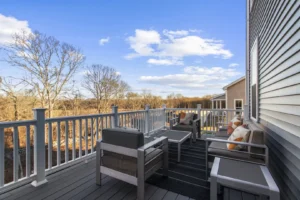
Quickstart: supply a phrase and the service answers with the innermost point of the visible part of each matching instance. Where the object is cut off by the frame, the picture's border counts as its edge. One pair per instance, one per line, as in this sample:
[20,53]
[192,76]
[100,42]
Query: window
[254,80]
[238,105]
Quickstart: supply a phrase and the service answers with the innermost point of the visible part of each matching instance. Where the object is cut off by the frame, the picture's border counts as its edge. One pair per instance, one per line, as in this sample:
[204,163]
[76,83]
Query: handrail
[76,117]
[17,123]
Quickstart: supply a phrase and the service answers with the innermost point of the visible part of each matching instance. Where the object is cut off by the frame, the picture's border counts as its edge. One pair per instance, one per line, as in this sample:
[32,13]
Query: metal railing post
[147,126]
[199,116]
[39,150]
[164,106]
[115,120]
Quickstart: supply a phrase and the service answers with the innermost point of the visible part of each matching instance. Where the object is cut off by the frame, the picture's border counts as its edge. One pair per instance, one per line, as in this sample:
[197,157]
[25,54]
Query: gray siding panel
[277,25]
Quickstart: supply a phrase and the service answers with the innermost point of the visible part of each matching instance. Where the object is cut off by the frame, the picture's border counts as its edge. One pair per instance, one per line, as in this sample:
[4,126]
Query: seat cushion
[220,149]
[182,127]
[256,137]
[127,164]
[130,138]
[222,134]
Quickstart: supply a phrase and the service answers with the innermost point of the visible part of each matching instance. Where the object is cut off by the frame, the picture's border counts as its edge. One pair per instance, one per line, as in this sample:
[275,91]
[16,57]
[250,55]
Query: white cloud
[10,26]
[141,43]
[194,78]
[118,73]
[215,71]
[174,44]
[165,61]
[233,65]
[173,34]
[104,40]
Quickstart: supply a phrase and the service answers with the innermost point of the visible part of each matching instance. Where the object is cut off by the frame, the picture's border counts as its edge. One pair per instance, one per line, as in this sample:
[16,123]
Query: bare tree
[105,84]
[49,63]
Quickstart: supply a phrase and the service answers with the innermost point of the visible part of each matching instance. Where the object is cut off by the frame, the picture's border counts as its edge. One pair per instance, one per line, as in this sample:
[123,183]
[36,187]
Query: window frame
[235,100]
[255,45]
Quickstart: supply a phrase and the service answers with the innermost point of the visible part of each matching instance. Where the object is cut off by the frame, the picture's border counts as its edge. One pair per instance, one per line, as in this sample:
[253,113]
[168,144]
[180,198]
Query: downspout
[247,106]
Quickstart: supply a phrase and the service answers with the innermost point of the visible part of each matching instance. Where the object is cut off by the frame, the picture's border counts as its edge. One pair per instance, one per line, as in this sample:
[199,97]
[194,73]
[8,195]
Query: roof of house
[218,95]
[234,82]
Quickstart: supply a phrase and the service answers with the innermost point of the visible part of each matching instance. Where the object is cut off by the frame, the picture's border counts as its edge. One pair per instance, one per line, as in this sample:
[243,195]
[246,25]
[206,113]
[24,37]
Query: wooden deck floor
[79,183]
[186,181]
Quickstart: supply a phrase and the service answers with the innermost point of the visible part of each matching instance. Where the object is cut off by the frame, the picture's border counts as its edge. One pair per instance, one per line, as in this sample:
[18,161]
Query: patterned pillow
[229,128]
[187,118]
[236,121]
[181,116]
[233,124]
[240,134]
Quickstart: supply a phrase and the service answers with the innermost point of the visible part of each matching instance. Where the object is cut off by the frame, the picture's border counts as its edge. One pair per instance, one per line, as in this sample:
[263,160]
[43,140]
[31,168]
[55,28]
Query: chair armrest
[154,142]
[196,120]
[234,142]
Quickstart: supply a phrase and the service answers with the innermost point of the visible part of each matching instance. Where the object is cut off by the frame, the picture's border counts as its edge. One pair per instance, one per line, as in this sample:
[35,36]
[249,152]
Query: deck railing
[56,143]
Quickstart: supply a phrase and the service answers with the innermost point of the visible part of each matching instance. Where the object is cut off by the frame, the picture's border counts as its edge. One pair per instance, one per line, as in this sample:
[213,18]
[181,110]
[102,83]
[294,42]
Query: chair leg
[141,175]
[98,163]
[166,157]
[141,191]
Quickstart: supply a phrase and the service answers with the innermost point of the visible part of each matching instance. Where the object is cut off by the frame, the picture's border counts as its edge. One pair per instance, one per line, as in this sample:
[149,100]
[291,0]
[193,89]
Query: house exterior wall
[236,91]
[275,23]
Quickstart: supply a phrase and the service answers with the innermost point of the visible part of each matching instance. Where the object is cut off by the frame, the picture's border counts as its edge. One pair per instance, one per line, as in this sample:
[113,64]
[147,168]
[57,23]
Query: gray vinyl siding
[276,24]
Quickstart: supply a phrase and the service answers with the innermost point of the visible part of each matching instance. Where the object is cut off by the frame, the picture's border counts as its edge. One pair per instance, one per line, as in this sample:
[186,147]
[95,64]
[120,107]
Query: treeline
[20,107]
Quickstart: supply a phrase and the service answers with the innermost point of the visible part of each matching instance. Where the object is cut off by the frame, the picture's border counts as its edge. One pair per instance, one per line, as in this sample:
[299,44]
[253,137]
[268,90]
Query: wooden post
[39,150]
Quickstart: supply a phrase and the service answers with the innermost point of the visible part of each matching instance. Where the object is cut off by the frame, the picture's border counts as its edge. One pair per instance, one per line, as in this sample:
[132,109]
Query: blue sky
[188,47]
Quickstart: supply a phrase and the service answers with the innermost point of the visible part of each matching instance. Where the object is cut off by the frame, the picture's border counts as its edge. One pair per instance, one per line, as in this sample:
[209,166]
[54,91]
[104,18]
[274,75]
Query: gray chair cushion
[183,127]
[220,149]
[256,137]
[222,134]
[123,137]
[127,164]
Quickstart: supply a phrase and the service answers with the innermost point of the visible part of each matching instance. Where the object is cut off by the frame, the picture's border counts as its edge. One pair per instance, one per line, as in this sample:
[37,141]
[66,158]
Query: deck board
[77,182]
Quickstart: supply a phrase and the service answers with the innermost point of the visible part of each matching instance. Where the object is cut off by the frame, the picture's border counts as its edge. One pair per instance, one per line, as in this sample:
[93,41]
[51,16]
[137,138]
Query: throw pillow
[186,120]
[229,128]
[236,121]
[181,116]
[240,134]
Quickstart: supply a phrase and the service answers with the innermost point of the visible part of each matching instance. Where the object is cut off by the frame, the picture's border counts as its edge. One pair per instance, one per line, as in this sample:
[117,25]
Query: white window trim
[254,44]
[235,104]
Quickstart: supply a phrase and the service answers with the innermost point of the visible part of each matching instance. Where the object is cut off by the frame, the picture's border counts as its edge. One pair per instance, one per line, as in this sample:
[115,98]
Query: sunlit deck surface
[186,181]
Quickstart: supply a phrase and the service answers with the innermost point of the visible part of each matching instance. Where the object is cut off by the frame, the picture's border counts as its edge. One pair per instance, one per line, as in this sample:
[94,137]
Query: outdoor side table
[177,137]
[248,177]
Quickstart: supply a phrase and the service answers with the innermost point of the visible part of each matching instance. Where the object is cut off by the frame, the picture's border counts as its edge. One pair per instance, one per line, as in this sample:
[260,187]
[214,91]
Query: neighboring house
[218,101]
[233,98]
[235,94]
[273,86]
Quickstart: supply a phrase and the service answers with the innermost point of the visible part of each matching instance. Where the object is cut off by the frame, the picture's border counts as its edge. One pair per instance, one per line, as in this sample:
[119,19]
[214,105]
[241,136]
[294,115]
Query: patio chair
[124,156]
[255,152]
[193,127]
